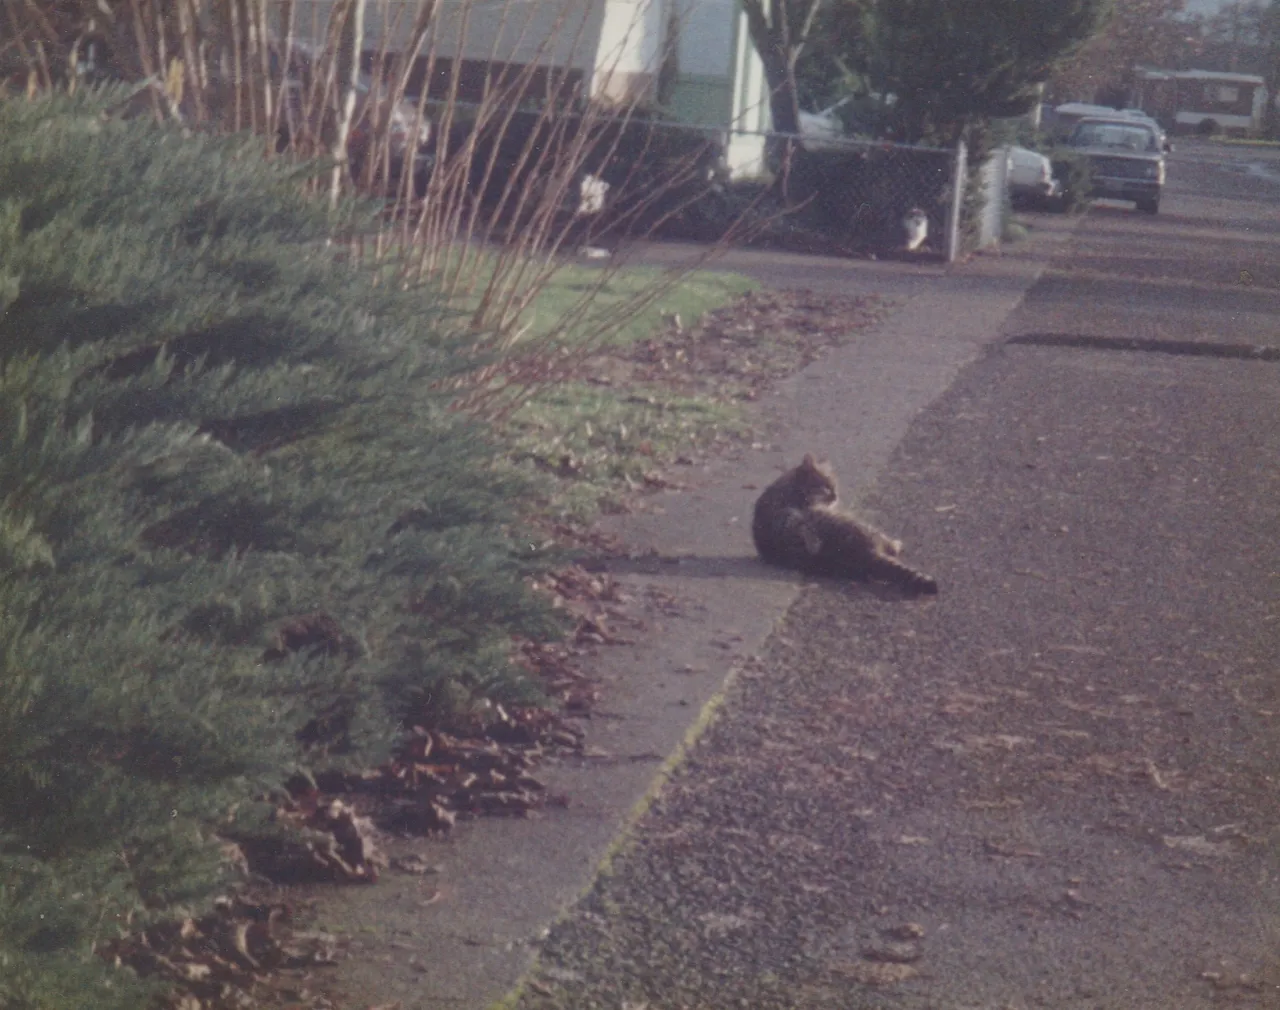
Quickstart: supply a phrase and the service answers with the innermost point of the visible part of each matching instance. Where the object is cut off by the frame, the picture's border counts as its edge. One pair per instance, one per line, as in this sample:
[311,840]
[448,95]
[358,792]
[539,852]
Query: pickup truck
[1126,159]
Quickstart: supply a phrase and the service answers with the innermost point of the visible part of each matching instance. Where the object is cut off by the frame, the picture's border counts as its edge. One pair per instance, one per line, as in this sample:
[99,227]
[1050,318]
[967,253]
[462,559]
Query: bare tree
[1138,31]
[779,31]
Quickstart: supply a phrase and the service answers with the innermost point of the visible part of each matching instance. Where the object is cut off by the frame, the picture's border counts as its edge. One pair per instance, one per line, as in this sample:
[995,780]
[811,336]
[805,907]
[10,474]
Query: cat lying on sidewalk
[798,524]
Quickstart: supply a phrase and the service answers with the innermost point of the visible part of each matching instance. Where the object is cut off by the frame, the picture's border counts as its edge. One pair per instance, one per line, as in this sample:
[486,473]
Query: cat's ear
[809,463]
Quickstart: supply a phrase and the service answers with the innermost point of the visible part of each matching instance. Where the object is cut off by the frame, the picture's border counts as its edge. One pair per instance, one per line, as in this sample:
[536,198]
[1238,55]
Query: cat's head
[815,481]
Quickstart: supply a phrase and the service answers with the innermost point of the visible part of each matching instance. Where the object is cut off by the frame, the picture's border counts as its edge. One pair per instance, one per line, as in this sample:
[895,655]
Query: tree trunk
[779,43]
[779,46]
[784,104]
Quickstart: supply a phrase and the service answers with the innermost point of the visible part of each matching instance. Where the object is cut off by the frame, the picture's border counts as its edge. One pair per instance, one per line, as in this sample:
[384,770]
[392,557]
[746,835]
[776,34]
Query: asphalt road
[1056,784]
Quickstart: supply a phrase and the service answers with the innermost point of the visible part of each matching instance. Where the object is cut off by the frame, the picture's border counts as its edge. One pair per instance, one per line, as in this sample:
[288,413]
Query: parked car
[1141,116]
[1126,159]
[851,118]
[824,131]
[1031,178]
[1062,119]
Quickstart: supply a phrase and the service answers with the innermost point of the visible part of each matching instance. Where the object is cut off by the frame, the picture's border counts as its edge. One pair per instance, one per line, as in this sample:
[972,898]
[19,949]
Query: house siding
[616,46]
[701,100]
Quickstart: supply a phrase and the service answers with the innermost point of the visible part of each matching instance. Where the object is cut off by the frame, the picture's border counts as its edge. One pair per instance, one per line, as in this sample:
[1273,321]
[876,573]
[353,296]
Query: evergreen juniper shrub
[209,426]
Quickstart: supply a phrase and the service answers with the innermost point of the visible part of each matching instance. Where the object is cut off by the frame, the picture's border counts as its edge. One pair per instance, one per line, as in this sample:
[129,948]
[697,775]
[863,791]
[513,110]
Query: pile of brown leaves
[321,837]
[484,768]
[244,954]
[439,777]
[600,614]
[241,947]
[331,823]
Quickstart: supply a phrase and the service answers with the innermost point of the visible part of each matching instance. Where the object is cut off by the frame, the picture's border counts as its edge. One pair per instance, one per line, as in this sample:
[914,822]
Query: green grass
[612,291]
[1248,141]
[689,297]
[612,437]
[1013,231]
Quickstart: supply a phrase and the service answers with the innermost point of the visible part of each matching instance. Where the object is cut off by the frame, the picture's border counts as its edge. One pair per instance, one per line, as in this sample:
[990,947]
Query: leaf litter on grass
[630,412]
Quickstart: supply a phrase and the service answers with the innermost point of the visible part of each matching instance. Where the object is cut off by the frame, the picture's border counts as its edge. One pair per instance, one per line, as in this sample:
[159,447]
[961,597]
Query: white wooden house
[712,78]
[719,80]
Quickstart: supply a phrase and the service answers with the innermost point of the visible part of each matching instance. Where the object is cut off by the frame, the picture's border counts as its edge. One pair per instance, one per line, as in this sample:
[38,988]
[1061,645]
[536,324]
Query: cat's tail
[895,572]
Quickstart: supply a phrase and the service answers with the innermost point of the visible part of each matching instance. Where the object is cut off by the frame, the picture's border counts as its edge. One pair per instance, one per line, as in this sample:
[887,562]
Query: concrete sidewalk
[502,883]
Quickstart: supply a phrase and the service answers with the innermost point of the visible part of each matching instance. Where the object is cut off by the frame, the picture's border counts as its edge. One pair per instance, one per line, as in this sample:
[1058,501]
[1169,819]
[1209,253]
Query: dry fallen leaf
[1199,845]
[1012,851]
[1157,778]
[877,973]
[905,931]
[414,864]
[892,952]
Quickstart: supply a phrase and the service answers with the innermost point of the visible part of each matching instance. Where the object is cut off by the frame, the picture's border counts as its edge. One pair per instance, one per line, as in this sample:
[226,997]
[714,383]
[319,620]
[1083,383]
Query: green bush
[209,426]
[1071,169]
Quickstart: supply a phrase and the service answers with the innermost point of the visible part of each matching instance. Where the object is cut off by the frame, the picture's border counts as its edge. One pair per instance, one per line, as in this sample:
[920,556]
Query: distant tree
[1269,42]
[1238,30]
[954,61]
[833,62]
[1137,32]
[949,63]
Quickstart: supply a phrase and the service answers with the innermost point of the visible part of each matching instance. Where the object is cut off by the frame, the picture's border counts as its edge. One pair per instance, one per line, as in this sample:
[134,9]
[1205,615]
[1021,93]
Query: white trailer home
[1191,100]
[697,53]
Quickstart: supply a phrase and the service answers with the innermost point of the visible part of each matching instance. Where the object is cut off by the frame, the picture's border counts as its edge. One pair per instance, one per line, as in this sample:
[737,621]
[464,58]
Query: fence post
[957,201]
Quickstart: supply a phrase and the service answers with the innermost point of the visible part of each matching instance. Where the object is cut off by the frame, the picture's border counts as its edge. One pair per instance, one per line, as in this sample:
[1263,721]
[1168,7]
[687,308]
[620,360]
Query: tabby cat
[797,524]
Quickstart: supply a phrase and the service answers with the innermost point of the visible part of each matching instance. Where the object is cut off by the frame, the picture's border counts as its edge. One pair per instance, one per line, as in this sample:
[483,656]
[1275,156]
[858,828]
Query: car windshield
[1118,136]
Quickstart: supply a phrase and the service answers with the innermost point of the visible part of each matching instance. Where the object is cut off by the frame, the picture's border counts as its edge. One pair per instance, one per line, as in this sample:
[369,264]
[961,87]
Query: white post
[349,66]
[957,201]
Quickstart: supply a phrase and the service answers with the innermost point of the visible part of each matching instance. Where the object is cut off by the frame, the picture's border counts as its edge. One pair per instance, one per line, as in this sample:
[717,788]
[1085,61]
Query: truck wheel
[1150,205]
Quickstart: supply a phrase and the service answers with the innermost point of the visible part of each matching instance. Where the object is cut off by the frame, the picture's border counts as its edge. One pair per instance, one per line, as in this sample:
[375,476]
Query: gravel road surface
[1054,785]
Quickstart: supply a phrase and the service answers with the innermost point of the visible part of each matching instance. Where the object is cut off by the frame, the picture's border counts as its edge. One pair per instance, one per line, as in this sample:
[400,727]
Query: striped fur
[798,524]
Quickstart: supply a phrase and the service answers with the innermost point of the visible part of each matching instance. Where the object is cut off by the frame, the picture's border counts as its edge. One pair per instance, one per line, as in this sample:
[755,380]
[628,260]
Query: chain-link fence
[874,197]
[887,198]
[882,197]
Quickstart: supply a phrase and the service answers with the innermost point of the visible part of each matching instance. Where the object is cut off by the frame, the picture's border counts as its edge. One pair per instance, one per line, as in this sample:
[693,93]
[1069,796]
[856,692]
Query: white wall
[554,32]
[599,37]
[706,37]
[750,116]
[630,43]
